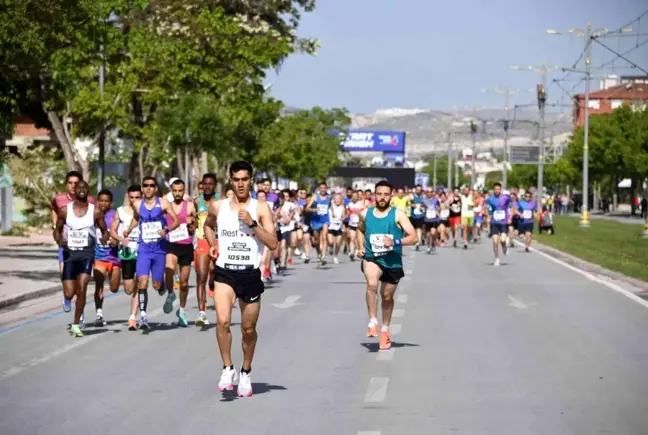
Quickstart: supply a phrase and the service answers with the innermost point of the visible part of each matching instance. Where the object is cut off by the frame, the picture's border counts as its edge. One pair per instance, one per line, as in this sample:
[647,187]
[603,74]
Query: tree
[301,145]
[153,51]
[442,172]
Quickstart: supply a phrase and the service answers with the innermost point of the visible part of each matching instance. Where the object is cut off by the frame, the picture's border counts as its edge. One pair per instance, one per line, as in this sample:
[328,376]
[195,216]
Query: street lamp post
[473,171]
[434,170]
[449,161]
[541,91]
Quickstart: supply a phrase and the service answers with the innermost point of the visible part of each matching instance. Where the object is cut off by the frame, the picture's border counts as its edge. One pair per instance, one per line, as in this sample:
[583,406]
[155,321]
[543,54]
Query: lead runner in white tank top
[239,248]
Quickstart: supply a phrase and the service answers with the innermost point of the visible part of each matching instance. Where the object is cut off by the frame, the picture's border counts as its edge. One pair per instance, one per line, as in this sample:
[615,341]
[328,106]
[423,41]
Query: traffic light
[542,96]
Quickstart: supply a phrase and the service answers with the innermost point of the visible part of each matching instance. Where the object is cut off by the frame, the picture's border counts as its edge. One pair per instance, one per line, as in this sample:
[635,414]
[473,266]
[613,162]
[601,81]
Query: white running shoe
[245,385]
[228,376]
[496,262]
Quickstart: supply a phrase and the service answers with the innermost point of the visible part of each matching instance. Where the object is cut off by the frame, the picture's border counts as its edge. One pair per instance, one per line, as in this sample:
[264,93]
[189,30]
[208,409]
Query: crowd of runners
[240,241]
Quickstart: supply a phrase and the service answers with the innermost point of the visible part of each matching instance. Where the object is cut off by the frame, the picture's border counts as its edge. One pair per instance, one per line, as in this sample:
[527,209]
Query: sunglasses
[148,185]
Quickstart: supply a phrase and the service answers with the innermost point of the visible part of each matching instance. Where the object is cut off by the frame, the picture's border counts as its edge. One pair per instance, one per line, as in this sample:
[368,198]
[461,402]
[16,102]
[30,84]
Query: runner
[180,251]
[149,215]
[479,216]
[202,261]
[380,242]
[467,215]
[106,258]
[498,206]
[417,213]
[128,249]
[528,211]
[60,201]
[455,216]
[337,214]
[246,229]
[286,224]
[75,232]
[431,220]
[514,231]
[319,204]
[354,208]
[444,218]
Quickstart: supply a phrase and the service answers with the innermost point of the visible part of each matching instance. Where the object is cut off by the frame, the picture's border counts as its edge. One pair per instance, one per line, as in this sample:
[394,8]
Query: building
[614,93]
[26,133]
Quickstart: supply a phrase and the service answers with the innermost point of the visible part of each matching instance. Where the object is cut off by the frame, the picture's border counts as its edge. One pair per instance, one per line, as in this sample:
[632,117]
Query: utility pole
[473,170]
[102,134]
[507,92]
[434,173]
[589,36]
[449,161]
[541,94]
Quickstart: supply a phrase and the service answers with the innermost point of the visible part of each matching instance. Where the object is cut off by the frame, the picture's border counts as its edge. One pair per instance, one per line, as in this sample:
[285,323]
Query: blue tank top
[150,222]
[322,206]
[375,230]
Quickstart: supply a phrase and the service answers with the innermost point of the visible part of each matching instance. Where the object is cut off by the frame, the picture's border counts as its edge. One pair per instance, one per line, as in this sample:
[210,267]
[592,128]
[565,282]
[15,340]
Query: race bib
[378,247]
[431,214]
[322,209]
[151,231]
[335,224]
[477,209]
[354,219]
[78,239]
[241,254]
[134,235]
[445,213]
[499,215]
[417,210]
[527,214]
[179,234]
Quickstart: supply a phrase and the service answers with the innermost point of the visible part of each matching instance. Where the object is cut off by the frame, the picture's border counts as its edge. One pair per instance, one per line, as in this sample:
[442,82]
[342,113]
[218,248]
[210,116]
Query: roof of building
[629,91]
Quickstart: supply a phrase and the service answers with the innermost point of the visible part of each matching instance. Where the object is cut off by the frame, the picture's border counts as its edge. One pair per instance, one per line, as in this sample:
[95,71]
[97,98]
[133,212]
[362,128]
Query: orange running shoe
[132,324]
[385,340]
[372,331]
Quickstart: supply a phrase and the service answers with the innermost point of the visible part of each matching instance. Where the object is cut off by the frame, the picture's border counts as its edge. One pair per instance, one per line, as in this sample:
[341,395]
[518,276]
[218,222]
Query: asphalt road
[528,348]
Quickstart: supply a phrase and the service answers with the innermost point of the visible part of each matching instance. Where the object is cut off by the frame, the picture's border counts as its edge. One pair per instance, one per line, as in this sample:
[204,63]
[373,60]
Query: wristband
[397,242]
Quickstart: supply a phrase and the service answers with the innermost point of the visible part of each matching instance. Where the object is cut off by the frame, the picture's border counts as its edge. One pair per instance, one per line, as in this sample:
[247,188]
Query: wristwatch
[253,224]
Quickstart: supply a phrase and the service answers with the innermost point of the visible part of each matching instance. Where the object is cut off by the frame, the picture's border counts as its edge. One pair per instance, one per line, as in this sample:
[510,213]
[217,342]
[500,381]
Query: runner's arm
[100,223]
[114,226]
[209,228]
[265,230]
[54,208]
[411,238]
[57,233]
[166,206]
[191,217]
[135,220]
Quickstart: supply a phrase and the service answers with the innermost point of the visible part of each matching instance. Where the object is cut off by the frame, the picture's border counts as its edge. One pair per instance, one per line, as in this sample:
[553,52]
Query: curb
[10,302]
[590,267]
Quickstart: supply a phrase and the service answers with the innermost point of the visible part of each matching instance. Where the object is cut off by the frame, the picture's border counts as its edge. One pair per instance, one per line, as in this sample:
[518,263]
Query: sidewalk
[28,269]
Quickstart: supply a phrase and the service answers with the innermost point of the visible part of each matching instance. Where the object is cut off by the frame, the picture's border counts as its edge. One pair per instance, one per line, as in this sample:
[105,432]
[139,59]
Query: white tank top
[125,220]
[335,217]
[238,247]
[81,232]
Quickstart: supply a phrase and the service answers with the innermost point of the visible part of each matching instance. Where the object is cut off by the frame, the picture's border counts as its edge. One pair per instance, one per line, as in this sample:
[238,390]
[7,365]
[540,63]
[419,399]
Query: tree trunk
[62,138]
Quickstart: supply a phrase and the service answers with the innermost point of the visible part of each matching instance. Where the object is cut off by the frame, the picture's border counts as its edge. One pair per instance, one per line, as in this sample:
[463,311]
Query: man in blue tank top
[381,234]
[149,213]
[500,208]
[319,205]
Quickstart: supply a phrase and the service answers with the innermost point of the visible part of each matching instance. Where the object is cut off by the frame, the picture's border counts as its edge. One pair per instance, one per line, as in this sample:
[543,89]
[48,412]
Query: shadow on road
[374,347]
[257,388]
[35,254]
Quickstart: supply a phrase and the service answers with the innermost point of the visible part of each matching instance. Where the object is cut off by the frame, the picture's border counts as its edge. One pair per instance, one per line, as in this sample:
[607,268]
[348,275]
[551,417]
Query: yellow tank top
[400,203]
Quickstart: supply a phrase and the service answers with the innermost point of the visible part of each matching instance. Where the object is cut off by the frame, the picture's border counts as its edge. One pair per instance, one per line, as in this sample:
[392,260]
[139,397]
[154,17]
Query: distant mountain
[428,130]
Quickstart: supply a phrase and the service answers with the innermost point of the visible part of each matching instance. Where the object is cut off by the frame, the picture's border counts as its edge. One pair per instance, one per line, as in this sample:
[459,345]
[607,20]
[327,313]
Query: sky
[427,54]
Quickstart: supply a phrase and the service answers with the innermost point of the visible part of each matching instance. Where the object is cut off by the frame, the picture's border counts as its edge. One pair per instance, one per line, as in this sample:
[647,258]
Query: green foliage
[38,173]
[301,146]
[442,172]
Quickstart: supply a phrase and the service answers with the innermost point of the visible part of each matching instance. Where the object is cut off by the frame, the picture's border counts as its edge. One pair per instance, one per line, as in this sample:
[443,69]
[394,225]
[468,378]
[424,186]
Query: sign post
[524,155]
[6,199]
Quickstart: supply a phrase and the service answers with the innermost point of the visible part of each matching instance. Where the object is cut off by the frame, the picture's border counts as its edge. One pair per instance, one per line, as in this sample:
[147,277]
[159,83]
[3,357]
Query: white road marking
[398,313]
[371,432]
[289,302]
[407,277]
[517,303]
[592,277]
[377,390]
[385,355]
[401,299]
[395,329]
